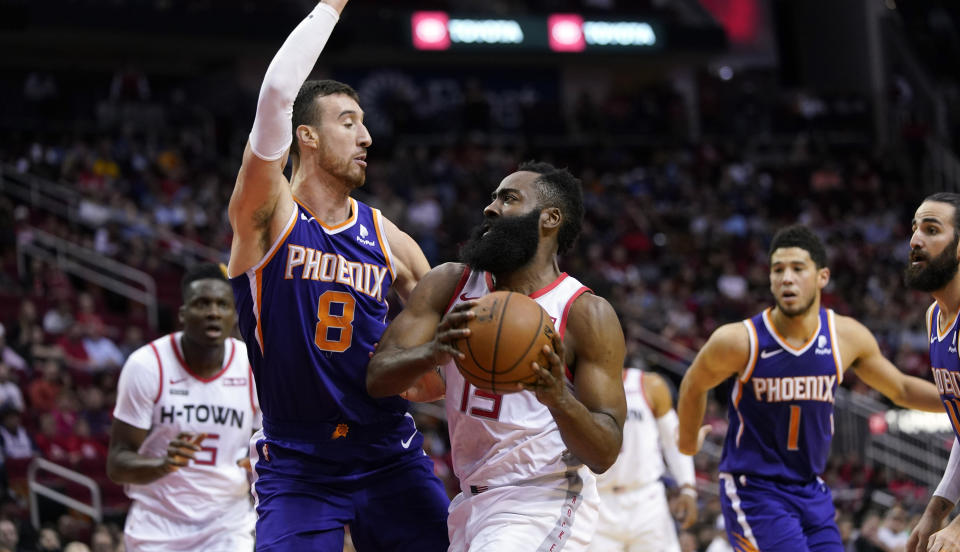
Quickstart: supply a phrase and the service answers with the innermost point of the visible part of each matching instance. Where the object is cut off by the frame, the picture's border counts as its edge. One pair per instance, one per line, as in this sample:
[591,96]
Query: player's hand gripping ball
[506,336]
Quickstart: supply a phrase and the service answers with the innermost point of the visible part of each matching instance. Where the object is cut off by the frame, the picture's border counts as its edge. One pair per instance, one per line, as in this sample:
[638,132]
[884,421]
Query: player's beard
[796,311]
[938,271]
[502,245]
[347,170]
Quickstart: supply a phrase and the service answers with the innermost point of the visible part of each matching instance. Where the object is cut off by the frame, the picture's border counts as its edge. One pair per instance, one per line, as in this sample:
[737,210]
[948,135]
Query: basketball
[507,335]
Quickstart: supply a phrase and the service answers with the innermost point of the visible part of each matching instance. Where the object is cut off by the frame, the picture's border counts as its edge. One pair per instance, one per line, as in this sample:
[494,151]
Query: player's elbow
[603,462]
[114,472]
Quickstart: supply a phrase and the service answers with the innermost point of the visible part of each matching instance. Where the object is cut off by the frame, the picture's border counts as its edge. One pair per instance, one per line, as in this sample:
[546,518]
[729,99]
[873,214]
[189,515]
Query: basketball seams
[533,342]
[496,342]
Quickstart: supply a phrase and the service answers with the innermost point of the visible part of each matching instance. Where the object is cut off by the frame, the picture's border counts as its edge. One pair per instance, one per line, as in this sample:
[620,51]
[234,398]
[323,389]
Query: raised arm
[726,353]
[262,202]
[419,339]
[591,418]
[879,373]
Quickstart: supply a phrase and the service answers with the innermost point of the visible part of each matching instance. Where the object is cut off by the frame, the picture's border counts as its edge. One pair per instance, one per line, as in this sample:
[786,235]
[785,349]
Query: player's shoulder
[240,351]
[657,392]
[730,338]
[592,308]
[148,357]
[446,274]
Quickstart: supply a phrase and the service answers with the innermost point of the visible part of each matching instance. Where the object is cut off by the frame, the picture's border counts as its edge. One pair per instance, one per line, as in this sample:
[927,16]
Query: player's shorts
[636,520]
[775,516]
[399,507]
[149,531]
[546,515]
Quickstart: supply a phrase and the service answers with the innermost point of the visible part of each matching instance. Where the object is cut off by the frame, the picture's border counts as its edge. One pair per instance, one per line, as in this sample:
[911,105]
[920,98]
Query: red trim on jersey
[543,291]
[160,366]
[566,308]
[176,351]
[489,278]
[253,407]
[460,285]
[563,321]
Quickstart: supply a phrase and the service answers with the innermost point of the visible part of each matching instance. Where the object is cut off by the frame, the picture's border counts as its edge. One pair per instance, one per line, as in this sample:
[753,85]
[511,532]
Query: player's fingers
[453,334]
[198,439]
[702,434]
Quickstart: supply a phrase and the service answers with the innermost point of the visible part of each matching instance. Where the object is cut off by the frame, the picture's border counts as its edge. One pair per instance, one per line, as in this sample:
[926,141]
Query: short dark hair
[305,110]
[201,271]
[559,188]
[802,237]
[952,199]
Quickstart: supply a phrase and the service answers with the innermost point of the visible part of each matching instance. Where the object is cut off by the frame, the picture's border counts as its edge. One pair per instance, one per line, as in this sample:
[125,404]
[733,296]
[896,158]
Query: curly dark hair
[559,188]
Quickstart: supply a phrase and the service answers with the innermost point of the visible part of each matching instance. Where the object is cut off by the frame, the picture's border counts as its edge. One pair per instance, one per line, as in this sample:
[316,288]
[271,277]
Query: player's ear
[823,277]
[180,313]
[307,136]
[550,217]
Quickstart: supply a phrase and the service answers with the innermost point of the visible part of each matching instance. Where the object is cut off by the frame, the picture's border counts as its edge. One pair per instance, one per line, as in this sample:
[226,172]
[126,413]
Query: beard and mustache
[938,271]
[501,245]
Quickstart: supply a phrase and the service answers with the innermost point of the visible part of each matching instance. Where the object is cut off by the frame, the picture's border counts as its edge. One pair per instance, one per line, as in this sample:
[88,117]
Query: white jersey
[506,439]
[641,459]
[158,392]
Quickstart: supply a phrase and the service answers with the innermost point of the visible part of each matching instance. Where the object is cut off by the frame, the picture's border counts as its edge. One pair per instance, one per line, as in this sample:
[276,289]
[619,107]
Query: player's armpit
[260,206]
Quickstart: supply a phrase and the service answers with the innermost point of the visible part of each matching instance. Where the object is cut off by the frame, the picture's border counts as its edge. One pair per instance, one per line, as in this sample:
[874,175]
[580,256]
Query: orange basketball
[507,335]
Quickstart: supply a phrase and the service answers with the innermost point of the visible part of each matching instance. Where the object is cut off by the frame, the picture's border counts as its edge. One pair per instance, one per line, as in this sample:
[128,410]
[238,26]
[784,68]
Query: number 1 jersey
[311,311]
[781,407]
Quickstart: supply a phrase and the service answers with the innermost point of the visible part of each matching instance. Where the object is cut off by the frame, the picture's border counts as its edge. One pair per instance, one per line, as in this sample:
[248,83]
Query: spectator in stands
[43,391]
[82,448]
[866,539]
[19,333]
[76,546]
[132,340]
[9,536]
[14,438]
[48,540]
[893,532]
[10,357]
[10,394]
[58,319]
[94,410]
[74,352]
[102,540]
[102,352]
[51,445]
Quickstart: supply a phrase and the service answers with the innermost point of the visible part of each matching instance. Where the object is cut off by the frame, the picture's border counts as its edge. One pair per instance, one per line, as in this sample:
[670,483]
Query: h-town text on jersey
[202,413]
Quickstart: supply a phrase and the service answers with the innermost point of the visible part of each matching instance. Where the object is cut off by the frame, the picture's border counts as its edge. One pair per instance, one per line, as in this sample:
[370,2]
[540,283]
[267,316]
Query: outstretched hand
[181,450]
[550,387]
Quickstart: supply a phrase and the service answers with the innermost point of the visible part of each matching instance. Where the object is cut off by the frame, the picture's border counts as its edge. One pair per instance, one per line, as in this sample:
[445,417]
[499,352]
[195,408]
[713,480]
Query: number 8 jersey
[311,311]
[781,406]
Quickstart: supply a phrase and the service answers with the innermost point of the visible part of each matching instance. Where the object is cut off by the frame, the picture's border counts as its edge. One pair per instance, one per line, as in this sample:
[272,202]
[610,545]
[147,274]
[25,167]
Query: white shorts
[636,520]
[549,516]
[148,531]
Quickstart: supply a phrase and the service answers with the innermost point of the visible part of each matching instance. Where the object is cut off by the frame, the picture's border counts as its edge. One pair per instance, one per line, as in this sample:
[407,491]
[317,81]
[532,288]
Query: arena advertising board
[569,33]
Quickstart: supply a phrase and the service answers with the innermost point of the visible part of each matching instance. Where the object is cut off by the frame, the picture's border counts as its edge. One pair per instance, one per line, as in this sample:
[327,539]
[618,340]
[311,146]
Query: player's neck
[534,276]
[203,360]
[797,329]
[327,198]
[948,299]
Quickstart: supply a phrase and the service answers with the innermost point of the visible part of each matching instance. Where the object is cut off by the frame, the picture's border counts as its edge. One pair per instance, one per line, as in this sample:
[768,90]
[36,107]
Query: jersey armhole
[460,285]
[159,372]
[384,244]
[754,345]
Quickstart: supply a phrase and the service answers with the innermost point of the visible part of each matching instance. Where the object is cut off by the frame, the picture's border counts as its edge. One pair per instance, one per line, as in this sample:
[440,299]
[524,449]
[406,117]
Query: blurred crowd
[675,236]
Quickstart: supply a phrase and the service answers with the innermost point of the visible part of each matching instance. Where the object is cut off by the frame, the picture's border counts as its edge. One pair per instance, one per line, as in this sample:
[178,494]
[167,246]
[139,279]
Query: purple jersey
[781,408]
[311,312]
[945,363]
